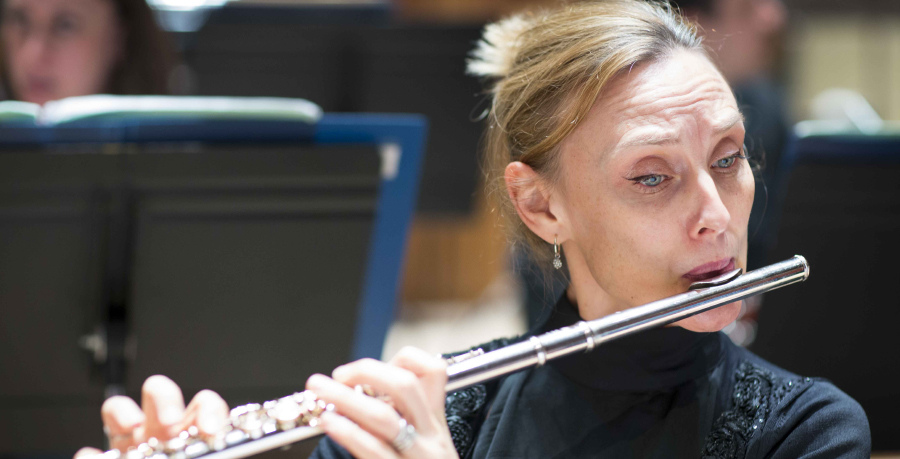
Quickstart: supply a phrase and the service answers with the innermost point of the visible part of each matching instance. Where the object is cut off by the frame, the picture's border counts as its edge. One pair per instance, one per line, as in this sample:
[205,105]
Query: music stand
[396,140]
[840,208]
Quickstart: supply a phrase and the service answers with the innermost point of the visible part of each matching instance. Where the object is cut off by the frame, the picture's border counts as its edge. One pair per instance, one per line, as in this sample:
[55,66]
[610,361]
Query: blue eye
[725,163]
[650,180]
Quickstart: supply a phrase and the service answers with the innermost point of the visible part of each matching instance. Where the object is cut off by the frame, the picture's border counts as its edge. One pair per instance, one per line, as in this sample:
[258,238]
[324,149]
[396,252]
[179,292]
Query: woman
[54,49]
[613,136]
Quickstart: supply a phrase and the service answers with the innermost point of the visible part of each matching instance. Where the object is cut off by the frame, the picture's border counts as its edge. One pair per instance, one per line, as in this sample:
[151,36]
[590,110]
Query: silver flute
[255,428]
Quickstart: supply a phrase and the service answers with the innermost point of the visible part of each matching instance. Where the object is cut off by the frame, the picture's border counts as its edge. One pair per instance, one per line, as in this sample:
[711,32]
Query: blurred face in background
[742,35]
[60,48]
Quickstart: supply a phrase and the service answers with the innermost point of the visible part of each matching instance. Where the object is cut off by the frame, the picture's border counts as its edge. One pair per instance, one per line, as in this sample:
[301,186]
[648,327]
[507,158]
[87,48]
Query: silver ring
[405,438]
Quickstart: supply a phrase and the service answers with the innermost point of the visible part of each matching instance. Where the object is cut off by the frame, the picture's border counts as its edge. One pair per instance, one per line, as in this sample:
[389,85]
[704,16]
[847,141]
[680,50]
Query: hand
[366,426]
[164,415]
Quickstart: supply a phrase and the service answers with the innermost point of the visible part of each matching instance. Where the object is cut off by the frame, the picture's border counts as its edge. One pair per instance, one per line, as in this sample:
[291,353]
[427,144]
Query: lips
[710,270]
[39,85]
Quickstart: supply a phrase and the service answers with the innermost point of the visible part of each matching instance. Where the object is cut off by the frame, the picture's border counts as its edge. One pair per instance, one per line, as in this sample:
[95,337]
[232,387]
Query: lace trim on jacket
[465,408]
[756,392]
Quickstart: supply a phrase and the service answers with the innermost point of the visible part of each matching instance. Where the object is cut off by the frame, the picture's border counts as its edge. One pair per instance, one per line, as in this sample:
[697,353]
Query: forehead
[676,99]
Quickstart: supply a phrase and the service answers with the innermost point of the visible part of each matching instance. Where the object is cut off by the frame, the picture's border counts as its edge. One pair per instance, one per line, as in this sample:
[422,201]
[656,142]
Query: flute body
[255,428]
[585,335]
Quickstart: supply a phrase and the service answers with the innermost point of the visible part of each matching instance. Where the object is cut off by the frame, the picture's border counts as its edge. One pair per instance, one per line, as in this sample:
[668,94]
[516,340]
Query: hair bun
[495,53]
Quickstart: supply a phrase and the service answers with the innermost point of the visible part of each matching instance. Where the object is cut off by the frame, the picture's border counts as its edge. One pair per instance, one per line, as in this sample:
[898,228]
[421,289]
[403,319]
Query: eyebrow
[670,137]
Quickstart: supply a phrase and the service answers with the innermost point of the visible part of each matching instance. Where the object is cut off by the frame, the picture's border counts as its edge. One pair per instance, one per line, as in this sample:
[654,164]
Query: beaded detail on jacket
[463,408]
[756,392]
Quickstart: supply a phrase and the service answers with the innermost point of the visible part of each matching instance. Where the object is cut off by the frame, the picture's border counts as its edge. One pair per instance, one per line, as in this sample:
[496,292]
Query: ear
[535,202]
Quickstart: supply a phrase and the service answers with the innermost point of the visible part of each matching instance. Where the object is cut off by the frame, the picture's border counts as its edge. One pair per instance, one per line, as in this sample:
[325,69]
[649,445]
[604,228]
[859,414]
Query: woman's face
[60,48]
[657,193]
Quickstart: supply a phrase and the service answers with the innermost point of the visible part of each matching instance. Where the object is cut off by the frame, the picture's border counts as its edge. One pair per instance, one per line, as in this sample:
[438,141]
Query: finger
[121,417]
[358,442]
[369,413]
[164,407]
[208,411]
[86,451]
[431,370]
[402,385]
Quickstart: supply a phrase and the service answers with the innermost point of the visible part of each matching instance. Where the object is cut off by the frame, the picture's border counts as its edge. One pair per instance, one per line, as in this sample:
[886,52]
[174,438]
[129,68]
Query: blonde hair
[548,68]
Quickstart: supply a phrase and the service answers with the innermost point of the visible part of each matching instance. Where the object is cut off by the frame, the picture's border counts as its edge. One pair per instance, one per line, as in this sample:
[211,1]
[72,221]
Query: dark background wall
[348,62]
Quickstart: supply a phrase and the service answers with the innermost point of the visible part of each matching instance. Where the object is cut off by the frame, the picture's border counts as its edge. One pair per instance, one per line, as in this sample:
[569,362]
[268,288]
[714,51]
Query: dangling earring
[557,261]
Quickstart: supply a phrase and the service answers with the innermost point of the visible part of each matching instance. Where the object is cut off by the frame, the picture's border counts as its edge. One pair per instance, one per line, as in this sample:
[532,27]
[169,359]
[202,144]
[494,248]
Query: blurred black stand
[841,210]
[119,239]
[761,102]
[353,58]
[232,266]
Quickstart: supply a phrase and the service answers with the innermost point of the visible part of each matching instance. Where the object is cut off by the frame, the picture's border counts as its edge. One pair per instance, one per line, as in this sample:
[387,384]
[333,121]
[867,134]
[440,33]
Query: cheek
[593,219]
[739,193]
[627,248]
[12,58]
[85,67]
[748,191]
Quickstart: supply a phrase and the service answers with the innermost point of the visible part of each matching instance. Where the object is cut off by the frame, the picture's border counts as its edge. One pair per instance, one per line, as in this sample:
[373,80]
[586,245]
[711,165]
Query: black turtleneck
[664,393]
[654,360]
[638,396]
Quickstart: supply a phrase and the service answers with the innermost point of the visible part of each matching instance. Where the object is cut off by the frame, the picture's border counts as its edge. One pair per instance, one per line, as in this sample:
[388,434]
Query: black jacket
[664,393]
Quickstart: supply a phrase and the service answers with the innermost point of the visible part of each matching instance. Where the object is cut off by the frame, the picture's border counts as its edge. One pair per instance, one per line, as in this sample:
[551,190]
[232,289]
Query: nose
[711,217]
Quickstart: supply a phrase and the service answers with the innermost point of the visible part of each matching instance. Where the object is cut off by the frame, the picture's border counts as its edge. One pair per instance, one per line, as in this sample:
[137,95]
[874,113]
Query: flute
[255,428]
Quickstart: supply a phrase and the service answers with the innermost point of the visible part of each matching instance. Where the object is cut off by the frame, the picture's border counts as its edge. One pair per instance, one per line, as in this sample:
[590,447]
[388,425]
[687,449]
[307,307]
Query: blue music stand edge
[396,204]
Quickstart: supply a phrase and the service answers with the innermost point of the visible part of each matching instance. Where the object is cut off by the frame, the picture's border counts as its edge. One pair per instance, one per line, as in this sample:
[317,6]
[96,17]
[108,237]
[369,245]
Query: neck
[584,292]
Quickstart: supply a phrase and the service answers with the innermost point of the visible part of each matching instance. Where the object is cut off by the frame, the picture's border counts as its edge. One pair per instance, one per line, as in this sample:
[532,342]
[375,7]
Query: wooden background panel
[454,258]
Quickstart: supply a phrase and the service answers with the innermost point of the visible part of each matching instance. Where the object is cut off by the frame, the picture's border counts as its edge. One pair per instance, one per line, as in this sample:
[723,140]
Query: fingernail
[209,423]
[169,416]
[338,372]
[130,419]
[315,380]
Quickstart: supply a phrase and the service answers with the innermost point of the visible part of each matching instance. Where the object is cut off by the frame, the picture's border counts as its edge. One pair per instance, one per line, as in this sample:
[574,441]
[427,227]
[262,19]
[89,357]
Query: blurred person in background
[52,49]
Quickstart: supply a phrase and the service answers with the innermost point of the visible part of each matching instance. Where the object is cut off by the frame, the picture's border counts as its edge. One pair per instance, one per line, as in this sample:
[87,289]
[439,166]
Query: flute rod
[477,367]
[585,335]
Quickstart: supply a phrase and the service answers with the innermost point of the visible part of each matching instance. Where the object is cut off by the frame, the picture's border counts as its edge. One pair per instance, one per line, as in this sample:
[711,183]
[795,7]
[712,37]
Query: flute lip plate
[718,280]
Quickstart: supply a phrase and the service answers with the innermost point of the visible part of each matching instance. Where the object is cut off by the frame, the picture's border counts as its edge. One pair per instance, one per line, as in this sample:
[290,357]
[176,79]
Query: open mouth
[710,270]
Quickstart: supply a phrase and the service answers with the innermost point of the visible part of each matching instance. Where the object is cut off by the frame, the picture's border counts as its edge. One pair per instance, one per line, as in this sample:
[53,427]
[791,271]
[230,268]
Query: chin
[712,320]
